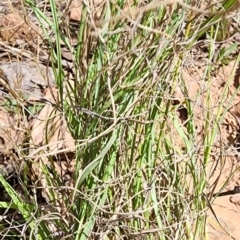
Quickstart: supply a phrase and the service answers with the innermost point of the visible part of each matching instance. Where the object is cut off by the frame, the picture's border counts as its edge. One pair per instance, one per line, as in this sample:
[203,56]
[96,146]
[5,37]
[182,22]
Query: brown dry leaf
[226,70]
[27,77]
[75,10]
[13,28]
[205,97]
[235,199]
[96,7]
[198,89]
[52,125]
[193,85]
[10,139]
[66,53]
[8,132]
[194,90]
[50,128]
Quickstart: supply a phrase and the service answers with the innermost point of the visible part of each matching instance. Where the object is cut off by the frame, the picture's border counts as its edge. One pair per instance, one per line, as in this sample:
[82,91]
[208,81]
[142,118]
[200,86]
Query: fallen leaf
[27,77]
[51,128]
[13,28]
[75,10]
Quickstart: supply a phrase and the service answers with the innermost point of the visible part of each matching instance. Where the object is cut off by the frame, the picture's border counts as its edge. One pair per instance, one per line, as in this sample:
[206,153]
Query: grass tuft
[141,169]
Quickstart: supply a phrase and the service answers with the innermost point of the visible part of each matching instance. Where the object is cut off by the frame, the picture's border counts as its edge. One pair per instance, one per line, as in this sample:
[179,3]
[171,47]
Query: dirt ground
[224,218]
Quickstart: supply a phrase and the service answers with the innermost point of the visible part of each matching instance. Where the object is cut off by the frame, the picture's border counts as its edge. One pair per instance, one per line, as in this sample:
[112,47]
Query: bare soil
[224,217]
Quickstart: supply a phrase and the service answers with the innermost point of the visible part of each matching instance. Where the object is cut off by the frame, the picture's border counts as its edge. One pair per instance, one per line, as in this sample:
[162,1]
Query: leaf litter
[229,130]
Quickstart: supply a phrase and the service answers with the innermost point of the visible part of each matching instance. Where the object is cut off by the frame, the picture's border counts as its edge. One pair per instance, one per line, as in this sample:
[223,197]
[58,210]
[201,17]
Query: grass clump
[141,170]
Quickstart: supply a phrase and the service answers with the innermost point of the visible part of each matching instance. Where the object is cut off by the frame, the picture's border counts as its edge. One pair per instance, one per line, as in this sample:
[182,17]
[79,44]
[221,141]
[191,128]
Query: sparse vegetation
[145,140]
